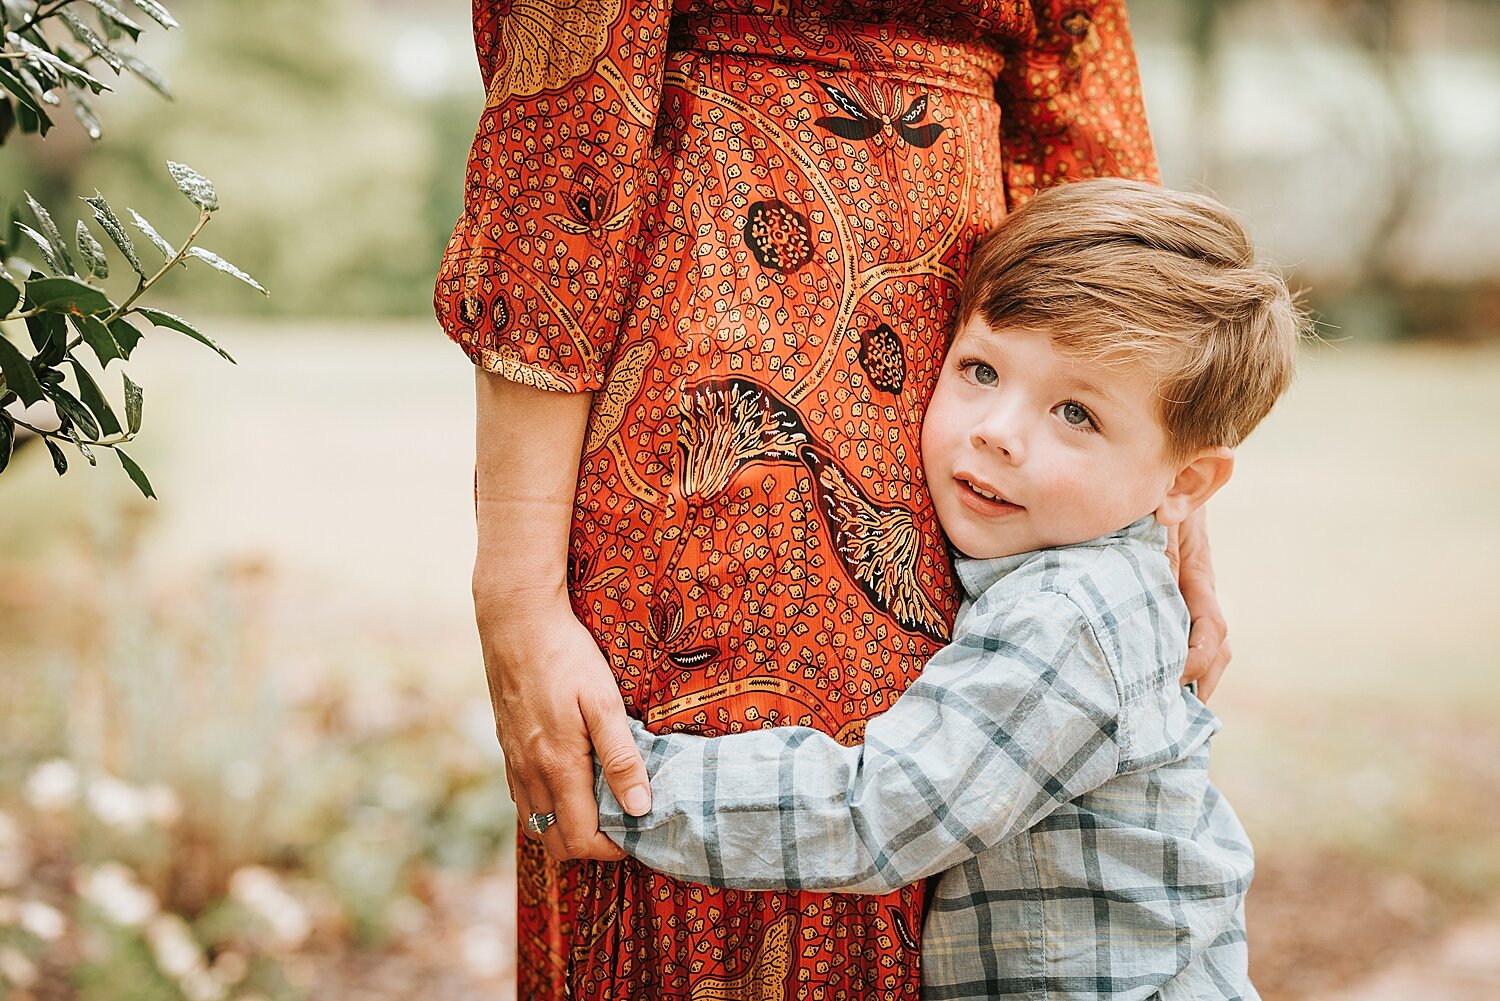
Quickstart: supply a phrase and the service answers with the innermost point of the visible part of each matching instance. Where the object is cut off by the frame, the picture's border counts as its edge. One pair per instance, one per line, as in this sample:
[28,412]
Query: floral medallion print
[545,44]
[778,235]
[882,358]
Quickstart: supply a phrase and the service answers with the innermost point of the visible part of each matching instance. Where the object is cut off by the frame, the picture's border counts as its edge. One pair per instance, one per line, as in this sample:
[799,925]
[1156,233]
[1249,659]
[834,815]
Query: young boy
[1115,341]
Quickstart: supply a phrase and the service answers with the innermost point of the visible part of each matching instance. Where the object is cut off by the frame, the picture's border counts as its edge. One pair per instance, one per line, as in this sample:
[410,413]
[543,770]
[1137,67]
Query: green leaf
[49,256]
[84,112]
[215,261]
[117,17]
[59,461]
[19,375]
[94,399]
[20,89]
[88,36]
[54,65]
[9,296]
[73,409]
[167,250]
[49,335]
[99,337]
[137,475]
[51,232]
[157,12]
[7,436]
[115,230]
[134,401]
[92,252]
[148,75]
[172,322]
[66,295]
[199,189]
[125,335]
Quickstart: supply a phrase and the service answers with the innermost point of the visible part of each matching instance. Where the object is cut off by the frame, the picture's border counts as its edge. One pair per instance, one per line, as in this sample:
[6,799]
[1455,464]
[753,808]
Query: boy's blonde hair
[1124,273]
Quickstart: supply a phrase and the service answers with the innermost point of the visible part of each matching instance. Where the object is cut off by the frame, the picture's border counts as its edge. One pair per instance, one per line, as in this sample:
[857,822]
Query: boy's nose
[1003,433]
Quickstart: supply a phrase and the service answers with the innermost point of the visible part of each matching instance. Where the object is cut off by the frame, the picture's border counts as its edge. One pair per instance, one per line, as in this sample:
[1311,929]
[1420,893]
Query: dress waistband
[970,64]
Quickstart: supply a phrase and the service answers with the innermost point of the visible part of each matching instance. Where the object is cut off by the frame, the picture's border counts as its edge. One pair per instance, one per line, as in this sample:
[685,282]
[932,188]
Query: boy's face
[1025,448]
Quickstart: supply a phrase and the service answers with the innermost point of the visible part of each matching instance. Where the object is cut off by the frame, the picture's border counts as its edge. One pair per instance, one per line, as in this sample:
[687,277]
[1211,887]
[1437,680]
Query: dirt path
[1463,965]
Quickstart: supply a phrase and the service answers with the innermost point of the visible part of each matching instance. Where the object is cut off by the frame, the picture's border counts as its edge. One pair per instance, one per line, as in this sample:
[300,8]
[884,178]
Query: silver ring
[538,823]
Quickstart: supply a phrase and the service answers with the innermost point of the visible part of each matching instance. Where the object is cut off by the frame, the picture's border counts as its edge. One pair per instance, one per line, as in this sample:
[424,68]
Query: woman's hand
[555,702]
[552,691]
[1208,639]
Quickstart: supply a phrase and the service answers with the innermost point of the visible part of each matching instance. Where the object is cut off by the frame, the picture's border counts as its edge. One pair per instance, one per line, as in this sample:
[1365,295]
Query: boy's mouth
[984,496]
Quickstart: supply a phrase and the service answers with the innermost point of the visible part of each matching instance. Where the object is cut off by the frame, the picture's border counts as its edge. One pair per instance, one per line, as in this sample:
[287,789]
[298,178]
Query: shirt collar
[978,576]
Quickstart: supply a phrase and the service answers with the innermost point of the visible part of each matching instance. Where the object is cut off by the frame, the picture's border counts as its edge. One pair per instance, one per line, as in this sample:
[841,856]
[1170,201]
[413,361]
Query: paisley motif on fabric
[545,44]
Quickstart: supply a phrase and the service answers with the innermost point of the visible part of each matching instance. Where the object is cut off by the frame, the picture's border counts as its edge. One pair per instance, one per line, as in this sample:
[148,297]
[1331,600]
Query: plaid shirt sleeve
[1015,717]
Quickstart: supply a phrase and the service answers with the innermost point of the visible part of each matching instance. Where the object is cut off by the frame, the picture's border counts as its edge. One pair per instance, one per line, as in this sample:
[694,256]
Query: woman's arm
[552,692]
[1208,643]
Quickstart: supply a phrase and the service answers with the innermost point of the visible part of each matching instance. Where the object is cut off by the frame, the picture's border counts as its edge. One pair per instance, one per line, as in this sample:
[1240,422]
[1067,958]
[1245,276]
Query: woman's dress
[742,227]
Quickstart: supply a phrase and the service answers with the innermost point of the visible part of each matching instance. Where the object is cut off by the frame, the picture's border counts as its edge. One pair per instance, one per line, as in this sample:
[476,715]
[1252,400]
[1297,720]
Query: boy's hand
[1208,639]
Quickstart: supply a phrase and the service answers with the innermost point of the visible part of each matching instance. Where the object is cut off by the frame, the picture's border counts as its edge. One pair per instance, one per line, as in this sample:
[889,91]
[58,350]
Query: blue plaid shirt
[1046,767]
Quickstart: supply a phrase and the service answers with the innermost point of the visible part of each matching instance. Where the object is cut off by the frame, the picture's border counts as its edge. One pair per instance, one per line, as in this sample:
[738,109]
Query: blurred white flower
[484,950]
[42,920]
[200,985]
[116,803]
[162,804]
[176,952]
[242,779]
[260,891]
[16,968]
[52,786]
[114,890]
[230,967]
[15,855]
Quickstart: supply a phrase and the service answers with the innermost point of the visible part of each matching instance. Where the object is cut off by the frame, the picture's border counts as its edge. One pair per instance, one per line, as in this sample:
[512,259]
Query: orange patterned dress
[741,225]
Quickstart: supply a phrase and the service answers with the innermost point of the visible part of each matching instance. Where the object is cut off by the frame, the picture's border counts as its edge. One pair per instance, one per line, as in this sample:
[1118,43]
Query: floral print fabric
[742,228]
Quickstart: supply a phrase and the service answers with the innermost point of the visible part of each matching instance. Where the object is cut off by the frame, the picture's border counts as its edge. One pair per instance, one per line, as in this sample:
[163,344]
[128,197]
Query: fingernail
[637,801]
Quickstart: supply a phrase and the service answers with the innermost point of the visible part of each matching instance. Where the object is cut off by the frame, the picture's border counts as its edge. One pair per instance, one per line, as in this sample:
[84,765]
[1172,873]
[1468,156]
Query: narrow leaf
[7,436]
[117,17]
[59,461]
[172,322]
[149,75]
[88,36]
[66,295]
[115,230]
[134,401]
[137,475]
[49,256]
[22,90]
[94,399]
[168,251]
[99,337]
[125,335]
[9,296]
[199,189]
[92,252]
[215,261]
[18,373]
[49,335]
[84,112]
[54,65]
[51,232]
[73,409]
[156,12]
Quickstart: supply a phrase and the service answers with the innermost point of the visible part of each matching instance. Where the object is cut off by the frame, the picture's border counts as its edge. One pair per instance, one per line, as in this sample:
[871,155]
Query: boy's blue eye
[1076,414]
[982,374]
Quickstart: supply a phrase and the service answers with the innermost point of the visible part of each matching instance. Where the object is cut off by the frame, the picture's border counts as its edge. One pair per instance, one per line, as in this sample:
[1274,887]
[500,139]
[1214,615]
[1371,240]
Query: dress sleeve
[1002,728]
[1071,103]
[542,266]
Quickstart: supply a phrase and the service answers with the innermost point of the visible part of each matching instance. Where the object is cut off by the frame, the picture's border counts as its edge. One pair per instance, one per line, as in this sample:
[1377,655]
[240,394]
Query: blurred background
[245,749]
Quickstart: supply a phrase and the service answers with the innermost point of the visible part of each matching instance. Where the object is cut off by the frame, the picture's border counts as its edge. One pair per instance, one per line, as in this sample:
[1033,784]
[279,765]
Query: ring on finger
[537,823]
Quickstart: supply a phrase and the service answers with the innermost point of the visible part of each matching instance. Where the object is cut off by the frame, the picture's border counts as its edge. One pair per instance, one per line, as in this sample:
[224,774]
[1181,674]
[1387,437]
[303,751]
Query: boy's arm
[1015,717]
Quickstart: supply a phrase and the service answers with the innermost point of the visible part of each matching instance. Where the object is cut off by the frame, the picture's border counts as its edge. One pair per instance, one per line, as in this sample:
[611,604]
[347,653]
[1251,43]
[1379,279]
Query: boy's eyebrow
[1093,388]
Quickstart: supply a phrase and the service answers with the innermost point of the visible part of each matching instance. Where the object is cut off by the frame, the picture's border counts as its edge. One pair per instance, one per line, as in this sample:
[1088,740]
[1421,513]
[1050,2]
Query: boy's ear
[1196,482]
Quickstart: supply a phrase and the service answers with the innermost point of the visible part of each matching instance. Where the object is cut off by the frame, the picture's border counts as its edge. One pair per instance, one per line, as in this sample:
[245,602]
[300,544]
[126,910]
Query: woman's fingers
[1208,639]
[621,762]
